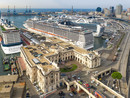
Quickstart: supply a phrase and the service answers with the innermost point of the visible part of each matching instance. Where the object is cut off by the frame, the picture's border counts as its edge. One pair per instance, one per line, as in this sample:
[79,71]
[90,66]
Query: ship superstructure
[64,30]
[11,42]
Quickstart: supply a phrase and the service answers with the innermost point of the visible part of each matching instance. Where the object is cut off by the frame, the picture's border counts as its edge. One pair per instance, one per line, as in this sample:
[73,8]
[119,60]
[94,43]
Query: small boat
[13,69]
[12,60]
[6,64]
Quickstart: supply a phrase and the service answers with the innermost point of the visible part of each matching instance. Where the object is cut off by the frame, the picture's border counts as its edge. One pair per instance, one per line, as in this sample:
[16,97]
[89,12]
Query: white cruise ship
[99,31]
[11,42]
[63,30]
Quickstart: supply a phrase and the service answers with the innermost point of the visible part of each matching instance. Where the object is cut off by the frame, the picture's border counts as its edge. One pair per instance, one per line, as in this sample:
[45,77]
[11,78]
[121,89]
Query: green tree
[116,75]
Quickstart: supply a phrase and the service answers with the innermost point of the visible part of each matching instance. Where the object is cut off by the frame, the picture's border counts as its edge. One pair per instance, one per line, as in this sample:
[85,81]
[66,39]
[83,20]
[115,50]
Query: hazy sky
[63,3]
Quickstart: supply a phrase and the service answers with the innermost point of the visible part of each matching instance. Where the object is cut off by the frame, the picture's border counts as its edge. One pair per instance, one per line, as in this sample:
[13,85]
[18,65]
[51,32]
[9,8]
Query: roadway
[30,86]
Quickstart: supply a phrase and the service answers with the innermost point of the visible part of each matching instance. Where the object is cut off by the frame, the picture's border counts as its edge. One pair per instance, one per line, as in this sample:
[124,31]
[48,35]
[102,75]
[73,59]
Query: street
[29,86]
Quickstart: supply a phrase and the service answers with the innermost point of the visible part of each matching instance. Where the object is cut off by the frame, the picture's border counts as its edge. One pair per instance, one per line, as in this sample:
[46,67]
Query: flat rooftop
[8,78]
[37,54]
[18,90]
[6,88]
[36,57]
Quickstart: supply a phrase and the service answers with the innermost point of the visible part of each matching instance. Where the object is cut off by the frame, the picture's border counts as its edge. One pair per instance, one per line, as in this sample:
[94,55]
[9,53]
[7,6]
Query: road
[124,56]
[30,86]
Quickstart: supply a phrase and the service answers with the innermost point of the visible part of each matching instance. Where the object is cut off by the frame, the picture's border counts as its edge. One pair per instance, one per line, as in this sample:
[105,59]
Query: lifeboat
[0,39]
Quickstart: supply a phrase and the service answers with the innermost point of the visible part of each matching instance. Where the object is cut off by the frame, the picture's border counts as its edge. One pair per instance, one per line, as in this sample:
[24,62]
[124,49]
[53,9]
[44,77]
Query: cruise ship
[95,23]
[99,31]
[11,41]
[63,29]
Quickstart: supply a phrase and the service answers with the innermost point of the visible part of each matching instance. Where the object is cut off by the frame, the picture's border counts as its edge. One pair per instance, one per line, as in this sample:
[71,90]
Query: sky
[85,4]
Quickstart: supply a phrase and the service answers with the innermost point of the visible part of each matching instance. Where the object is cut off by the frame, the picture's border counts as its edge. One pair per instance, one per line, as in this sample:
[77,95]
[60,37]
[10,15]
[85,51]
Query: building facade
[42,61]
[119,9]
[106,12]
[112,11]
[12,36]
[45,74]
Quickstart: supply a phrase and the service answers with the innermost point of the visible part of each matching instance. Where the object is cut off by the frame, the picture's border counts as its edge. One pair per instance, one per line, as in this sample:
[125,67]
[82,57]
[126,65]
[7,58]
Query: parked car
[61,93]
[71,94]
[63,74]
[73,76]
[97,84]
[27,95]
[96,72]
[93,87]
[78,78]
[74,92]
[40,93]
[92,81]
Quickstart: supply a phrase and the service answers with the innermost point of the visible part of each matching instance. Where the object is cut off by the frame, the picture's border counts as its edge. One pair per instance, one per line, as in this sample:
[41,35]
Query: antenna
[26,9]
[8,9]
[14,10]
[72,10]
[0,13]
[30,9]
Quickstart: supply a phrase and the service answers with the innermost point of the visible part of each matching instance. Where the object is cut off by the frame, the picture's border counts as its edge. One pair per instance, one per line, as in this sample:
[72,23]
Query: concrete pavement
[29,85]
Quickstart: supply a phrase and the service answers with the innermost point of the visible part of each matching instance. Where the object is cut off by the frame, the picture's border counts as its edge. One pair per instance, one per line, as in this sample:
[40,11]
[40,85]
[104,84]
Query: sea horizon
[47,9]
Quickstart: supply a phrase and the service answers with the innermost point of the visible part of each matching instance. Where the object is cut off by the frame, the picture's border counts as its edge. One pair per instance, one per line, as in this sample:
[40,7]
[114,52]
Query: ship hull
[86,47]
[11,49]
[81,40]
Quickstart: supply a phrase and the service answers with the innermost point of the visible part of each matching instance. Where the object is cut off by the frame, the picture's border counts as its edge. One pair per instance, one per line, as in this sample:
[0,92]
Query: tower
[119,9]
[14,11]
[8,10]
[30,10]
[112,10]
[0,14]
[26,9]
[72,10]
[99,9]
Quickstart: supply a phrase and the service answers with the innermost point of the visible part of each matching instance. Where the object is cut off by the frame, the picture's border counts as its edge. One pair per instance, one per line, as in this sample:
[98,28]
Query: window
[51,81]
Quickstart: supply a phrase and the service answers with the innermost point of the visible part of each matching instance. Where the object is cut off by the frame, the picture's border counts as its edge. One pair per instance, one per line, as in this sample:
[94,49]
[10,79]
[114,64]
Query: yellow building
[42,61]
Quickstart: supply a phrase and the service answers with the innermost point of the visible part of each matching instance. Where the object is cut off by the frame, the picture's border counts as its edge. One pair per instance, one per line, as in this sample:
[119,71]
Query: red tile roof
[21,63]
